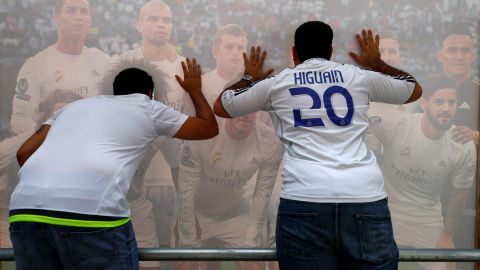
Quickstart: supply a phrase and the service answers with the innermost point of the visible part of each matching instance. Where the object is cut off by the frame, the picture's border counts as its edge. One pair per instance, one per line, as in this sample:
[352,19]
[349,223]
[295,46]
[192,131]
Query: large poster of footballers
[202,194]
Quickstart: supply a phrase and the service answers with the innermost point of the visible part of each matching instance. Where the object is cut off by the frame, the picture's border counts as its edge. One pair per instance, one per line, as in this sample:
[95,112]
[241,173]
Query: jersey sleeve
[248,100]
[188,179]
[171,149]
[54,116]
[26,99]
[266,178]
[388,89]
[464,172]
[166,120]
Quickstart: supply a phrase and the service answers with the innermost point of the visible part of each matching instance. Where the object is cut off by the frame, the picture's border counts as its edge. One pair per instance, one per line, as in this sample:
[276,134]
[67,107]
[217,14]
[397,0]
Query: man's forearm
[455,210]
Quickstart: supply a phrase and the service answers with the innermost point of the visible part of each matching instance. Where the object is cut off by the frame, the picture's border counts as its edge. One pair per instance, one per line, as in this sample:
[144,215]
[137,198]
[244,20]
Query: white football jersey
[159,173]
[214,174]
[319,109]
[415,167]
[51,69]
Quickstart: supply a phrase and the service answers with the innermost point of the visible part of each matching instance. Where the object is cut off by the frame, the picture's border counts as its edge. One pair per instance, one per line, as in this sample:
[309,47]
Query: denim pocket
[23,260]
[296,232]
[376,238]
[96,249]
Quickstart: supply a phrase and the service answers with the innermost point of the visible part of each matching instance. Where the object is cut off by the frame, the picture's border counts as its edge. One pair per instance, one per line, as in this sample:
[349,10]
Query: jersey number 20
[317,104]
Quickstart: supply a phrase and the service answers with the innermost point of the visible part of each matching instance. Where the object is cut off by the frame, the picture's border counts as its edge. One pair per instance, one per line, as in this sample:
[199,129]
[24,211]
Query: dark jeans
[46,246]
[335,236]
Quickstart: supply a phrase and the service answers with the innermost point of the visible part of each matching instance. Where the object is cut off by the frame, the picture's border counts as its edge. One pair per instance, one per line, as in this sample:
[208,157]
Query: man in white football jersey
[419,156]
[212,187]
[229,44]
[390,53]
[67,64]
[332,191]
[155,23]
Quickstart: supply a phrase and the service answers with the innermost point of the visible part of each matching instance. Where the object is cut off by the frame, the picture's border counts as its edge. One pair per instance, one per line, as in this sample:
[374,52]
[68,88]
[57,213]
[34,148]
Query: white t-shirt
[159,173]
[214,175]
[91,153]
[415,167]
[51,69]
[319,109]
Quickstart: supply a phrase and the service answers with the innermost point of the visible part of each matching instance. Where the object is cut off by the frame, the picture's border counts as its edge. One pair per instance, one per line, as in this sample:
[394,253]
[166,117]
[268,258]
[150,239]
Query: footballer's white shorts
[144,227]
[418,236]
[229,229]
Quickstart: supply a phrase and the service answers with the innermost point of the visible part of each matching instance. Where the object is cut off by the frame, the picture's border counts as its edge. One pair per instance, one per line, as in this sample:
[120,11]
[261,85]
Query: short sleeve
[464,172]
[388,89]
[248,100]
[166,120]
[55,115]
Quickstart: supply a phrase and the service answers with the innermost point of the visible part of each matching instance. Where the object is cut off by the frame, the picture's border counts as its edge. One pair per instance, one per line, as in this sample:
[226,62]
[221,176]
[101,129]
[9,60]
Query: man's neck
[236,135]
[228,75]
[430,131]
[154,53]
[461,78]
[70,46]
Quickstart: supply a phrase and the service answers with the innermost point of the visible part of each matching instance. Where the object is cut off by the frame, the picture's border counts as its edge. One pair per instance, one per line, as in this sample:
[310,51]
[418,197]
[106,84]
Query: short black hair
[387,34]
[433,83]
[313,39]
[132,80]
[229,29]
[456,29]
[59,5]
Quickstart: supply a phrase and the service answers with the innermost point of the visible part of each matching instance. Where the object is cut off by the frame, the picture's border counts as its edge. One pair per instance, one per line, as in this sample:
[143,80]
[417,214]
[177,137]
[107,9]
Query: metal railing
[168,254]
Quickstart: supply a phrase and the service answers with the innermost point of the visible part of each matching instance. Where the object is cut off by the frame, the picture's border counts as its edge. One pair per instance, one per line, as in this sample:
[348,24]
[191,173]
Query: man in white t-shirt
[332,191]
[9,168]
[213,187]
[67,64]
[419,157]
[155,24]
[69,208]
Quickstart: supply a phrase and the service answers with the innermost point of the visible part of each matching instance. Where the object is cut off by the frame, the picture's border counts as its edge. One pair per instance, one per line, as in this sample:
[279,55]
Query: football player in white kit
[229,44]
[332,189]
[390,53]
[155,23]
[67,64]
[419,156]
[212,187]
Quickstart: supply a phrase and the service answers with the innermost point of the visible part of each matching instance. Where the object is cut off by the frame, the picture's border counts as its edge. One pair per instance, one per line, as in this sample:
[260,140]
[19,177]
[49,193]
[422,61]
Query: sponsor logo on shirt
[464,105]
[442,164]
[405,152]
[22,96]
[22,85]
[217,158]
[187,153]
[58,77]
[401,108]
[95,73]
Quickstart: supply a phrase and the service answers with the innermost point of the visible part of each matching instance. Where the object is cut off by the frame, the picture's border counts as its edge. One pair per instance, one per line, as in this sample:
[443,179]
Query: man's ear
[295,56]
[138,25]
[214,51]
[56,18]
[423,104]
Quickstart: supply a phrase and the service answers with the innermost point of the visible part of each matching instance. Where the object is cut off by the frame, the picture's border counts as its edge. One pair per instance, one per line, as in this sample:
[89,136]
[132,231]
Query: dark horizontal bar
[178,254]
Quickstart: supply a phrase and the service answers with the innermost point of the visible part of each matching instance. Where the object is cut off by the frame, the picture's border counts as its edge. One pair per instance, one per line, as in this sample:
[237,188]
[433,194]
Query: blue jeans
[46,246]
[335,236]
